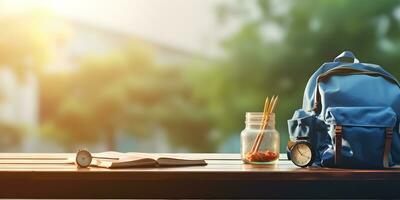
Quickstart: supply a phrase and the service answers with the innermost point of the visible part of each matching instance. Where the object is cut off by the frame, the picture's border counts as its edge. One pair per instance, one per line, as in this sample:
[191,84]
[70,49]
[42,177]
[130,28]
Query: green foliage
[312,32]
[124,91]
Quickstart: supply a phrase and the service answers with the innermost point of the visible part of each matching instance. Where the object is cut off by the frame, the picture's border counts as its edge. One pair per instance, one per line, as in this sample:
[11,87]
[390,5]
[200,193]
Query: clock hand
[302,154]
[298,150]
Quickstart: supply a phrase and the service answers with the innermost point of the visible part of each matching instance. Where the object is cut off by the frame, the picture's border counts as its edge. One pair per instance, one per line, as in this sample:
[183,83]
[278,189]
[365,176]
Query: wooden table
[224,177]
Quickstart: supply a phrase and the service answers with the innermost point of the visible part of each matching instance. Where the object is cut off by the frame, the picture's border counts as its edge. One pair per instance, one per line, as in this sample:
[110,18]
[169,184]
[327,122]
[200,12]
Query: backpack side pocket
[306,125]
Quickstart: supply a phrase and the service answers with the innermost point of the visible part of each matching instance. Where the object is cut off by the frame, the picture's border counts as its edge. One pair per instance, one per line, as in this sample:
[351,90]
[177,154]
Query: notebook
[131,160]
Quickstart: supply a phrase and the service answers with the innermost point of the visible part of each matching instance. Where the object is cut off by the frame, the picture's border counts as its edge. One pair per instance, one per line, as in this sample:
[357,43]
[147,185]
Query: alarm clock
[83,159]
[301,152]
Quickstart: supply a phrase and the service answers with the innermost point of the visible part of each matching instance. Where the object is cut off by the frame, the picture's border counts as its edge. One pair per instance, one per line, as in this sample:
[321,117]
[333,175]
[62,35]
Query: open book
[129,160]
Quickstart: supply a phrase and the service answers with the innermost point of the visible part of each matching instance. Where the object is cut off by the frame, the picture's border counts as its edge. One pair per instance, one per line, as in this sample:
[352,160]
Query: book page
[141,155]
[169,160]
[109,154]
[137,159]
[126,163]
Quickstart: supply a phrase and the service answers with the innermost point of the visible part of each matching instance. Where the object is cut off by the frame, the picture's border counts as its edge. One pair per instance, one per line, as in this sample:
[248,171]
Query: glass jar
[258,145]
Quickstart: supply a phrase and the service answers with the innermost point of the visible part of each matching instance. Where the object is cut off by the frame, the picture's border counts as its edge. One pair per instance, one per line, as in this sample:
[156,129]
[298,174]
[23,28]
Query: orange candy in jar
[268,147]
[266,156]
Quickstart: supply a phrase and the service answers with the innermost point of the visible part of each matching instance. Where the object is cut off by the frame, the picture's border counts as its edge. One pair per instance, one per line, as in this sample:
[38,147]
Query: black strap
[338,144]
[388,147]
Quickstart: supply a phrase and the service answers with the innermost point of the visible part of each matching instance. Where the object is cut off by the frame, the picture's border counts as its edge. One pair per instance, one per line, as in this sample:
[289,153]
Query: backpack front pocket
[361,137]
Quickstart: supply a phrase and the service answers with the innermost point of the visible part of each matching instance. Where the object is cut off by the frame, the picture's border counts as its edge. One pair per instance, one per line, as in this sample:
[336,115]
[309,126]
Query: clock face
[83,158]
[301,154]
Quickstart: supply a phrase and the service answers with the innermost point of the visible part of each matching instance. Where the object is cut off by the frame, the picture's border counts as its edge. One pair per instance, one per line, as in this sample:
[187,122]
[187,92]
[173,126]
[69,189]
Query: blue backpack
[350,115]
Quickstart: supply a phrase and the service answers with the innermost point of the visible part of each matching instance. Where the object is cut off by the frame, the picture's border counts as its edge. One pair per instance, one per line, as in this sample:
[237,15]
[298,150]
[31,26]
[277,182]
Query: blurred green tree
[280,43]
[124,91]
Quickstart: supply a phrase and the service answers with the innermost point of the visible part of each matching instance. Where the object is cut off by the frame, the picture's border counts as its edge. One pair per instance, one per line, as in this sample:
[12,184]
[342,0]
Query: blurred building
[19,98]
[19,106]
[89,39]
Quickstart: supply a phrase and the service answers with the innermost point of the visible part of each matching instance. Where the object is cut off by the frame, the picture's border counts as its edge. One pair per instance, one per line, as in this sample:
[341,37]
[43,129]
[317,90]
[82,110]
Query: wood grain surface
[55,176]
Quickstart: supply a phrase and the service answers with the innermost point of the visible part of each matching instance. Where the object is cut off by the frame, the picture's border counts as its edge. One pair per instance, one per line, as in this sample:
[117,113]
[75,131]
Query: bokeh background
[170,76]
